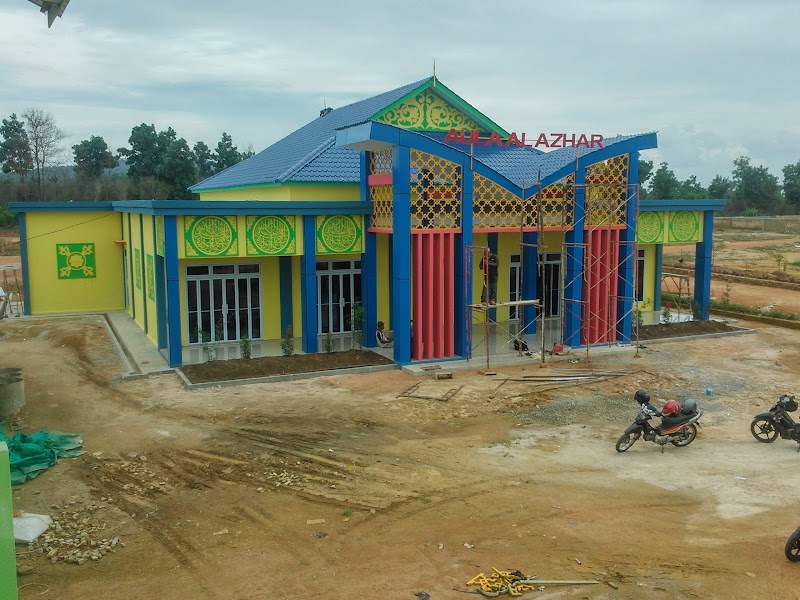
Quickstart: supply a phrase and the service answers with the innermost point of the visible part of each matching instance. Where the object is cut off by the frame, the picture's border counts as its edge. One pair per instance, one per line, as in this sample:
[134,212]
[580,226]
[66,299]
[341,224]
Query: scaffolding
[608,257]
[11,300]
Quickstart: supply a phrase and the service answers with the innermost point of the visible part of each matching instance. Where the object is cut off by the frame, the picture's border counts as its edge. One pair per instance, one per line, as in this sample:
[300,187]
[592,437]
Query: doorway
[338,290]
[223,302]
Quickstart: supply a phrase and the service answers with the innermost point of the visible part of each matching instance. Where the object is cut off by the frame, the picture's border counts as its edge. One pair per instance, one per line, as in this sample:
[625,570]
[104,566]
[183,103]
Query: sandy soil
[218,494]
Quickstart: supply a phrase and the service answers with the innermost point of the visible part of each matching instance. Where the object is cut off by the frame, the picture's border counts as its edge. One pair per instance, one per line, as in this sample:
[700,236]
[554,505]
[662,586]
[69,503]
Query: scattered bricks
[444,375]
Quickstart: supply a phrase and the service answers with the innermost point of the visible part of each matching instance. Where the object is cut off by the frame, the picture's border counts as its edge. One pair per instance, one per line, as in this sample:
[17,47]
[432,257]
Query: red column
[416,274]
[428,324]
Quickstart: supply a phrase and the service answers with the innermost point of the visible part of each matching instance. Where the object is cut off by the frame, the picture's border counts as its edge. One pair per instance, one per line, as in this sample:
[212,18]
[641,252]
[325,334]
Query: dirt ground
[375,486]
[222,370]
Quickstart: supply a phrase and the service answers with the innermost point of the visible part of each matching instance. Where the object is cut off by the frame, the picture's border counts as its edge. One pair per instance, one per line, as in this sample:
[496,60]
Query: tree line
[750,190]
[160,165]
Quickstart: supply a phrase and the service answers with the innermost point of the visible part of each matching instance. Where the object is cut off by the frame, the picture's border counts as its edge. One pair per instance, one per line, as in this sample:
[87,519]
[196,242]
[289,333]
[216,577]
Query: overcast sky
[716,79]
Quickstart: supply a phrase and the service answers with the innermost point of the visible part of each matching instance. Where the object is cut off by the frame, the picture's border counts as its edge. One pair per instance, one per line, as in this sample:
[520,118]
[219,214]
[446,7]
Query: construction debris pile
[516,583]
[73,535]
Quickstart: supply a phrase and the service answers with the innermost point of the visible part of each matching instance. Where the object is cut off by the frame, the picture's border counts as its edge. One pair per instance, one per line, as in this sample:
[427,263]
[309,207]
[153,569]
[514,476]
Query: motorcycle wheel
[764,430]
[627,440]
[792,549]
[688,436]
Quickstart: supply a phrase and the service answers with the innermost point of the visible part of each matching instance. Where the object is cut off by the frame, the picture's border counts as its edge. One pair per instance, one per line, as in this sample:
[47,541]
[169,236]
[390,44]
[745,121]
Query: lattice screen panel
[607,191]
[557,203]
[380,162]
[493,206]
[435,192]
[381,196]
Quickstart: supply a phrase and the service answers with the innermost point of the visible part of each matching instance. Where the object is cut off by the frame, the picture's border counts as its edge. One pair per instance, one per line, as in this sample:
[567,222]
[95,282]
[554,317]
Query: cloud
[714,78]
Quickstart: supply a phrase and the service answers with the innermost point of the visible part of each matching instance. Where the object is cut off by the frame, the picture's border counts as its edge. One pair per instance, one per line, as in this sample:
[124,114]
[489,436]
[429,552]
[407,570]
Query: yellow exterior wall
[138,292]
[649,276]
[288,193]
[149,247]
[126,235]
[382,275]
[51,295]
[297,297]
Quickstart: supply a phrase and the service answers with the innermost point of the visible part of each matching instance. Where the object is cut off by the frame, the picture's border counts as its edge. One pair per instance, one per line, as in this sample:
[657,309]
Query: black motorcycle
[792,549]
[766,427]
[679,430]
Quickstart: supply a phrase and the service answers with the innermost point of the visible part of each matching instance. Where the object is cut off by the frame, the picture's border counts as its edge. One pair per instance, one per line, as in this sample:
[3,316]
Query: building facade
[379,211]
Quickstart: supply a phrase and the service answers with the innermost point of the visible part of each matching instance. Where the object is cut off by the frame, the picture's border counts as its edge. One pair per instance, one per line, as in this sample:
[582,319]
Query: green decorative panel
[271,236]
[137,268]
[76,261]
[340,234]
[427,111]
[159,235]
[150,273]
[650,228]
[684,226]
[210,236]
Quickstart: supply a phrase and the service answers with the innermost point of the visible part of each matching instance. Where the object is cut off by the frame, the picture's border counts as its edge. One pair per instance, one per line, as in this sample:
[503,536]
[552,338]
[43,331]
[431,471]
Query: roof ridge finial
[434,71]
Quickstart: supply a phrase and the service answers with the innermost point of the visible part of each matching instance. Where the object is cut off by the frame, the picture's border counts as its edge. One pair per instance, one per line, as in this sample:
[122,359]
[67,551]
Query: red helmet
[671,409]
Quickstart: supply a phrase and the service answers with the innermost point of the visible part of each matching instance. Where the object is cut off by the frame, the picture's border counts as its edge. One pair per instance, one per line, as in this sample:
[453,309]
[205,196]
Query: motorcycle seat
[667,422]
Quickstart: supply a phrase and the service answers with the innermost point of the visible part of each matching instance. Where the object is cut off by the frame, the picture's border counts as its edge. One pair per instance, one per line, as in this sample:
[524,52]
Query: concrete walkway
[137,353]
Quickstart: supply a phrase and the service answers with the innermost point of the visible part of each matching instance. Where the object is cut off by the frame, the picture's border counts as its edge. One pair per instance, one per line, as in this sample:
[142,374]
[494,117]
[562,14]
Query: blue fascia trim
[23,254]
[646,141]
[23,207]
[245,207]
[714,204]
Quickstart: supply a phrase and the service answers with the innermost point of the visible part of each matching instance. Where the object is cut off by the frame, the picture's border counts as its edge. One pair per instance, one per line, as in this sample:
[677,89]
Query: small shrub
[246,348]
[358,325]
[287,343]
[726,295]
[329,343]
[666,314]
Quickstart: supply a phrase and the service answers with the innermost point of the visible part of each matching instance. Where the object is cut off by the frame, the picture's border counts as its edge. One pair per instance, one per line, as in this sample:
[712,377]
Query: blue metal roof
[308,153]
[527,166]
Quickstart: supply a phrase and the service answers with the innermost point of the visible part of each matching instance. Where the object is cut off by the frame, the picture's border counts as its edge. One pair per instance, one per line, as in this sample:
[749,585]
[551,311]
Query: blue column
[308,284]
[573,286]
[26,275]
[530,280]
[369,264]
[462,280]
[702,269]
[401,254]
[626,292]
[659,274]
[173,291]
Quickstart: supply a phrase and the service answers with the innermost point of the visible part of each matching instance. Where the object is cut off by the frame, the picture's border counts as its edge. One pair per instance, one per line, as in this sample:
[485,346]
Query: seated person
[383,340]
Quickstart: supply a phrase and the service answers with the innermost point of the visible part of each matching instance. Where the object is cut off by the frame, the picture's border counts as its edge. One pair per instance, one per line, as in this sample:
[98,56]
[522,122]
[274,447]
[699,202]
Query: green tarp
[37,452]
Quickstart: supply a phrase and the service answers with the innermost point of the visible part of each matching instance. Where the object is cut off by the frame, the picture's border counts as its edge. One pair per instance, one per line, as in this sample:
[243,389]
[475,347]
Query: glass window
[197,270]
[249,268]
[219,269]
[640,276]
